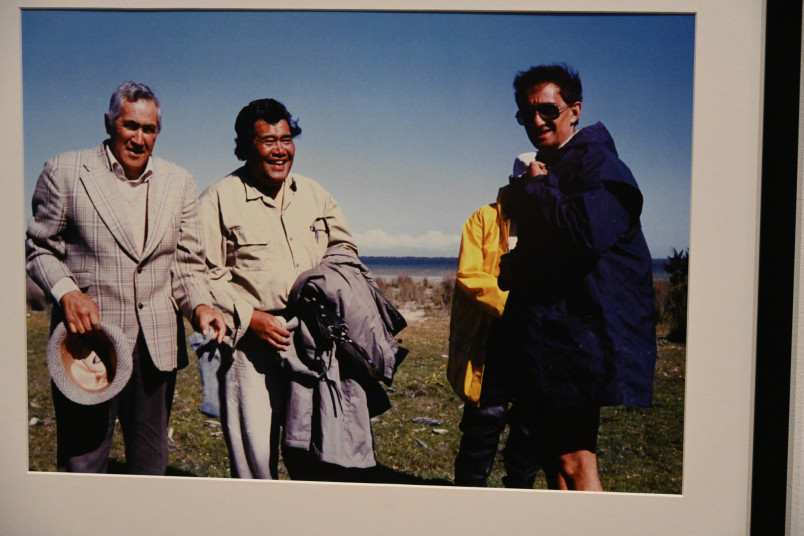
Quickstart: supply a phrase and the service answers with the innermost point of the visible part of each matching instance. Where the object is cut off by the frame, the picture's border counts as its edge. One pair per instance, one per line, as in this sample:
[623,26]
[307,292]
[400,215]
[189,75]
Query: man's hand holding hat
[80,312]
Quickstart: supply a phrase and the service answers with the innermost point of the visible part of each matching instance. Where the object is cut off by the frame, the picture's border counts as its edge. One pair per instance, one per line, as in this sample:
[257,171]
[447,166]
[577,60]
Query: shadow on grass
[381,474]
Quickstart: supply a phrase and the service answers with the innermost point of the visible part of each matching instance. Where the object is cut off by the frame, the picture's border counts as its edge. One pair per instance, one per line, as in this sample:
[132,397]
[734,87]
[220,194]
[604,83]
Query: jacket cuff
[62,287]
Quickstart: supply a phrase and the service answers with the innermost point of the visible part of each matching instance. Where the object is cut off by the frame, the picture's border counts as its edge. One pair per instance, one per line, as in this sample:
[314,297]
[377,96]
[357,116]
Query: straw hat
[89,368]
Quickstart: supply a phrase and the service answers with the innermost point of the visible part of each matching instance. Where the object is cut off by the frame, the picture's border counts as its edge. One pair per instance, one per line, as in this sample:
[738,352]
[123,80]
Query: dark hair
[561,74]
[269,110]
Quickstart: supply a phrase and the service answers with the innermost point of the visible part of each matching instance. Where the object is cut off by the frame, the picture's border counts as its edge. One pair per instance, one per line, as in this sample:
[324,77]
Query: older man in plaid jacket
[114,239]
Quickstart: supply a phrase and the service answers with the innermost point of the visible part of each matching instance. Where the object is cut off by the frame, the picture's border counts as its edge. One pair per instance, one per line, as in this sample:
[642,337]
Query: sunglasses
[546,110]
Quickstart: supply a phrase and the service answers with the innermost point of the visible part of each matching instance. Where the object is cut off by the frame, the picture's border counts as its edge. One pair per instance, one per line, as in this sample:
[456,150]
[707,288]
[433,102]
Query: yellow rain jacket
[477,298]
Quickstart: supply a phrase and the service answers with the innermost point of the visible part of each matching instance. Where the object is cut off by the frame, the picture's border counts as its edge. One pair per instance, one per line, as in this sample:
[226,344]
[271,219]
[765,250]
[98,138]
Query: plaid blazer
[78,231]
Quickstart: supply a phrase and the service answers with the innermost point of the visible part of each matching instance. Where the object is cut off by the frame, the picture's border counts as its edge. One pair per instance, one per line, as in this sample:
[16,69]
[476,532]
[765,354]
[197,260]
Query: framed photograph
[715,214]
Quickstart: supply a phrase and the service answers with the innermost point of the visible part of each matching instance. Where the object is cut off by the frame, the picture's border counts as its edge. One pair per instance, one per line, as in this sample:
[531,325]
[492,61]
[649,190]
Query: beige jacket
[79,231]
[256,250]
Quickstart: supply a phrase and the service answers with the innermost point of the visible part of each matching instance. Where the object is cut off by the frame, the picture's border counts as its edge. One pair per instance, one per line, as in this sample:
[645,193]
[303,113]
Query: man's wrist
[256,316]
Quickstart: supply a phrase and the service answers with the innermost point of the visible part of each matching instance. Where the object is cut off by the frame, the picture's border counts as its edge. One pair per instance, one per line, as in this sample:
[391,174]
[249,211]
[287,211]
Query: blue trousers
[209,361]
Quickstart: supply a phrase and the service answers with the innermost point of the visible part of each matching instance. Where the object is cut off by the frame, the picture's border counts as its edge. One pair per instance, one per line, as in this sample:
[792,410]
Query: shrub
[674,299]
[440,295]
[434,298]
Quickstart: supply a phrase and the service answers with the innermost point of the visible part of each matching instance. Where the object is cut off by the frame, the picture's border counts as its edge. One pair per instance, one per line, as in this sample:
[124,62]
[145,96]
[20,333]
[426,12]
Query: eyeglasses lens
[546,110]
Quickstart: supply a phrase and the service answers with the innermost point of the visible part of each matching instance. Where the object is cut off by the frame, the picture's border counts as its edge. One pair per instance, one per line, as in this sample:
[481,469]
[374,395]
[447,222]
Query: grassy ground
[640,450]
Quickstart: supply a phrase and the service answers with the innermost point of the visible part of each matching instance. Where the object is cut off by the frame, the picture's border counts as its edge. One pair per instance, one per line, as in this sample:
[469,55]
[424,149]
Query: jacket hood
[591,140]
[596,133]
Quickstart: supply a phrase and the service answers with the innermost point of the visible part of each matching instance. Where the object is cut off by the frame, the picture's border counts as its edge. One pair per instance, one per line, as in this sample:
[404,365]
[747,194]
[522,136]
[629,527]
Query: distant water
[432,268]
[436,268]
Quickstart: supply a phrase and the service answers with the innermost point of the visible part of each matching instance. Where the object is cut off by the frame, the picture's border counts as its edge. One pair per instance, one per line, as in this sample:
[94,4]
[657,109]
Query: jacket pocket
[252,248]
[83,280]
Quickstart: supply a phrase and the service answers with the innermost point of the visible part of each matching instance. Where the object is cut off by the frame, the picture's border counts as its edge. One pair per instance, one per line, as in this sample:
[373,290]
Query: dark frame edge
[777,262]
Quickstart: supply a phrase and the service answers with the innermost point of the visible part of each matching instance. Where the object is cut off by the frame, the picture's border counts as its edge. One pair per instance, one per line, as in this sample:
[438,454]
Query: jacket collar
[252,190]
[101,186]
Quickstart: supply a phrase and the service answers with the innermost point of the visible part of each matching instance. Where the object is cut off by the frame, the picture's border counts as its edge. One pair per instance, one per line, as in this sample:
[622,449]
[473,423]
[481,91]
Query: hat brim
[120,362]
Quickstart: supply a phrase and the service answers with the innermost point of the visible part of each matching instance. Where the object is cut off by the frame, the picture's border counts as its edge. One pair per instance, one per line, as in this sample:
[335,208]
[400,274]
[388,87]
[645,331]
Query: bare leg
[579,471]
[568,448]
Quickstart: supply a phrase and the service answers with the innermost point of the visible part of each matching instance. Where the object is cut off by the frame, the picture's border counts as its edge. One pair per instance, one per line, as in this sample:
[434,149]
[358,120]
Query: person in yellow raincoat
[472,369]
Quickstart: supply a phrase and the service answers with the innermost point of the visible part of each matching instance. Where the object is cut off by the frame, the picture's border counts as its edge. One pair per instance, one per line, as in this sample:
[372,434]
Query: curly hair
[269,110]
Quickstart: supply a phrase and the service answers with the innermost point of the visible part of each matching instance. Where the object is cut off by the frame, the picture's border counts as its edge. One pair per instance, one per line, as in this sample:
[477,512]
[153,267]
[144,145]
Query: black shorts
[558,431]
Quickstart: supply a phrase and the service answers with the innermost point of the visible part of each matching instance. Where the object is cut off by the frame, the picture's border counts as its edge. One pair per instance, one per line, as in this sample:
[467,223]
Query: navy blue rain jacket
[579,323]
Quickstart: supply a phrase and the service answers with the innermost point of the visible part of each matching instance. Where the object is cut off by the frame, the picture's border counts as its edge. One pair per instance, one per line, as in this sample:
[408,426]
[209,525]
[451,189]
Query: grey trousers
[253,391]
[84,433]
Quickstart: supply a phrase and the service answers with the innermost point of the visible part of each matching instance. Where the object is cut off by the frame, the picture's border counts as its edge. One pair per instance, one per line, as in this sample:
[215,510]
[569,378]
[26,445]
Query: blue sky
[407,118]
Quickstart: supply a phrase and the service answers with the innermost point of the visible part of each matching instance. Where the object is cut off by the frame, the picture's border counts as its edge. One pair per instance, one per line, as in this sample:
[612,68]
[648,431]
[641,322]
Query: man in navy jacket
[579,320]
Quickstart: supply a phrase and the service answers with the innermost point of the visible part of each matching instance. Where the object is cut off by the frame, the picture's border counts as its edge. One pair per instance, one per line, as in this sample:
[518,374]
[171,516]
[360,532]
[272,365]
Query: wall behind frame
[795,498]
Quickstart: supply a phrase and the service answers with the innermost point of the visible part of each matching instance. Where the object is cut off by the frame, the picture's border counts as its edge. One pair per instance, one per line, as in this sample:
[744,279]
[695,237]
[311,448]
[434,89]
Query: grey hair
[131,92]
